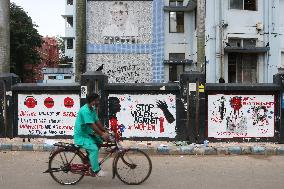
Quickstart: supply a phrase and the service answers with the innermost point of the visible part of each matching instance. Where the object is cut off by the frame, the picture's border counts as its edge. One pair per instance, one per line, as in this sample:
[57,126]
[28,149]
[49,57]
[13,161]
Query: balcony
[185,61]
[243,45]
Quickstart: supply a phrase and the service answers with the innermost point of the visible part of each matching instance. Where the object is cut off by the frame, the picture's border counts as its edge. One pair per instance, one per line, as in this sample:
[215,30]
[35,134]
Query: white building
[180,38]
[244,40]
[69,39]
[58,75]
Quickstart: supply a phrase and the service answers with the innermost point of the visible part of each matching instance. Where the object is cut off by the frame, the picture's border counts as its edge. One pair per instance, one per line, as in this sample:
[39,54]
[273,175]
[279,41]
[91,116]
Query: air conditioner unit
[259,26]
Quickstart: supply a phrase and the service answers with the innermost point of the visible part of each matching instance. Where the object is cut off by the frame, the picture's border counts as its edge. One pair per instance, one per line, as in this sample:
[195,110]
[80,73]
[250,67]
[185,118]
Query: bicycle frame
[116,150]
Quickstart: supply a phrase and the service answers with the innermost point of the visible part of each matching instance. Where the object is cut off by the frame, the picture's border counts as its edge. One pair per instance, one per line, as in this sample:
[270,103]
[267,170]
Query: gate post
[7,80]
[193,95]
[95,82]
[279,79]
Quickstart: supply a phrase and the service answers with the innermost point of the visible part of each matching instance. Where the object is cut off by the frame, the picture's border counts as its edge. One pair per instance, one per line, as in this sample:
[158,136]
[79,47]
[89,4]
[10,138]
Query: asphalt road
[21,170]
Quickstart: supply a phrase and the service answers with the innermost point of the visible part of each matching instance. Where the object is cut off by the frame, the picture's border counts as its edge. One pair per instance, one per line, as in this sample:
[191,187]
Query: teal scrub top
[83,125]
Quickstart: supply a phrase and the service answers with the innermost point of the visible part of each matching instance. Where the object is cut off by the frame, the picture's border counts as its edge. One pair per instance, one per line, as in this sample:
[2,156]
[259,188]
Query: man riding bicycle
[89,132]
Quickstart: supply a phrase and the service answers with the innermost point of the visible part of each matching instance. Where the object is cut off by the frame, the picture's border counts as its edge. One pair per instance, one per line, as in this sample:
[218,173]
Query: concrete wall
[47,114]
[240,116]
[45,110]
[143,115]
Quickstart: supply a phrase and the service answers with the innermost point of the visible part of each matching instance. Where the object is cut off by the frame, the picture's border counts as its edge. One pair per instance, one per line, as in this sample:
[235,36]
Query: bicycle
[74,163]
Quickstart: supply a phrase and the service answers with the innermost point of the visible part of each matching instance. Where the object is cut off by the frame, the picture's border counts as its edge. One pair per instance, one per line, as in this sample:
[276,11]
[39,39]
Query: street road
[23,170]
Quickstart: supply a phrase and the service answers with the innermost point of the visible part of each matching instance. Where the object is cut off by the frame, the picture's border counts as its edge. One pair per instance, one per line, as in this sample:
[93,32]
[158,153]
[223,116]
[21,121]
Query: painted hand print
[164,107]
[242,116]
[143,115]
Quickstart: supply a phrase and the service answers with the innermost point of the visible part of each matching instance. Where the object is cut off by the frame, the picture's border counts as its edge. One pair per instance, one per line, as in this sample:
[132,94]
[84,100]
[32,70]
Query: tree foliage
[63,59]
[25,40]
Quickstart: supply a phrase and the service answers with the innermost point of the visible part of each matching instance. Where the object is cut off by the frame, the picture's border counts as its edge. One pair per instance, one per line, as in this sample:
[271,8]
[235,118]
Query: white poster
[241,116]
[47,115]
[151,116]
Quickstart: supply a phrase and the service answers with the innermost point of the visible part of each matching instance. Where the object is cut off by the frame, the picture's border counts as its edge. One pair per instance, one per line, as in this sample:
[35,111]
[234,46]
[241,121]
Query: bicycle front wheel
[133,166]
[60,164]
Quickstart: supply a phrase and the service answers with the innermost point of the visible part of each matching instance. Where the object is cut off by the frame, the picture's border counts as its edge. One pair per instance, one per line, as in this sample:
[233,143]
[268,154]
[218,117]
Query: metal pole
[5,109]
[197,111]
[188,111]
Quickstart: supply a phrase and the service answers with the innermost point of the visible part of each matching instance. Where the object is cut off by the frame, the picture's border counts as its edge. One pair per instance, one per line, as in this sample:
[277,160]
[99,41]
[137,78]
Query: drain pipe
[221,38]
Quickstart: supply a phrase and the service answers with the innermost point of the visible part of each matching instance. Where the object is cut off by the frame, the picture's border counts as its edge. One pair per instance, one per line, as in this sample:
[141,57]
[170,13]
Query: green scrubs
[83,128]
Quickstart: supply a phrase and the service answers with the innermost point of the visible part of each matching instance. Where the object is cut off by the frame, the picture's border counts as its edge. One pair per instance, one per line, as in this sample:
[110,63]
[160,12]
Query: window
[176,22]
[174,72]
[52,77]
[69,22]
[238,42]
[67,77]
[175,69]
[249,42]
[176,56]
[70,43]
[69,59]
[174,3]
[242,68]
[69,2]
[235,42]
[243,4]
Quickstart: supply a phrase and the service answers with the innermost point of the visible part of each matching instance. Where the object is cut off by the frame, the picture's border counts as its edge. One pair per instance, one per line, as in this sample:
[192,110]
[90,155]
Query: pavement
[20,169]
[157,147]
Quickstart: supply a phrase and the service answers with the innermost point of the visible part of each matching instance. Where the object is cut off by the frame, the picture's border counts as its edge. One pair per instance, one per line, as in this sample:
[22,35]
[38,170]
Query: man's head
[119,13]
[93,100]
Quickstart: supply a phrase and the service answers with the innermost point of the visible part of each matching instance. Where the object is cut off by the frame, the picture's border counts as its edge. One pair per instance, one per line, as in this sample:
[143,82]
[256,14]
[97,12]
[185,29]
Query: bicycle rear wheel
[133,166]
[59,166]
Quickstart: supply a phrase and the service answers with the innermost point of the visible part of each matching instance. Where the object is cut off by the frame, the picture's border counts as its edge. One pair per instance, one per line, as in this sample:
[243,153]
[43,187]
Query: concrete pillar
[7,105]
[5,36]
[194,100]
[279,79]
[80,47]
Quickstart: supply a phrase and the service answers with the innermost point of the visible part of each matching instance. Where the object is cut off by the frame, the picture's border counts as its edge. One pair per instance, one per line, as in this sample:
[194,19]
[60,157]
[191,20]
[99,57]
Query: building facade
[141,41]
[244,40]
[156,40]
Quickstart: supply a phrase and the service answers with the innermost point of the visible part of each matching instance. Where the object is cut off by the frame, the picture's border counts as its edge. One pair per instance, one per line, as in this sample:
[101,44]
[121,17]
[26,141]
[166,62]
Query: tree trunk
[4,36]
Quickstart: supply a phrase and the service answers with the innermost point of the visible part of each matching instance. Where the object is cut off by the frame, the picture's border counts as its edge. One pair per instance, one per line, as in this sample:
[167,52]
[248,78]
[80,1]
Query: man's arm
[100,132]
[100,126]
